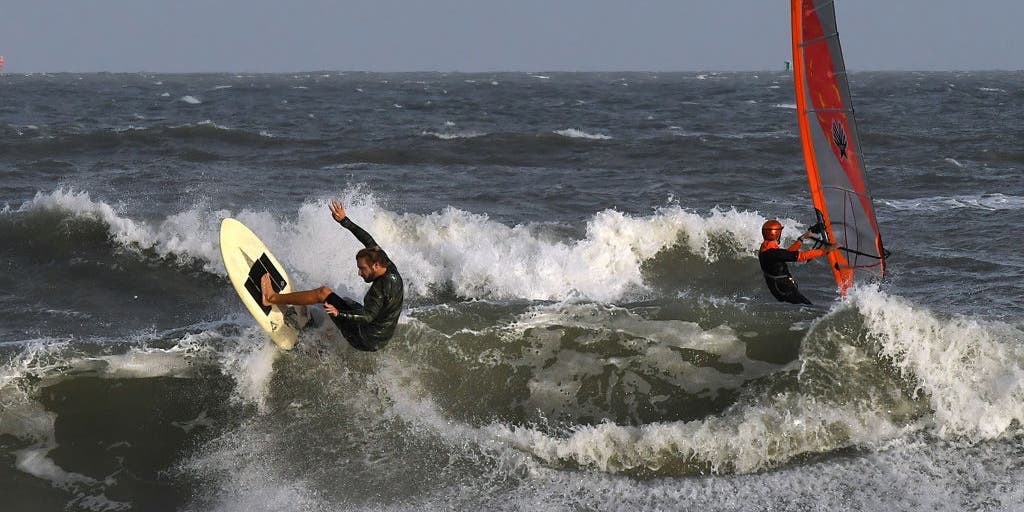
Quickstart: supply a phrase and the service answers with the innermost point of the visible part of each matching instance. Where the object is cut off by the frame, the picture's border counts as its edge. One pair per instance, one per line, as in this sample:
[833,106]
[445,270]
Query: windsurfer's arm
[815,253]
[338,212]
[800,241]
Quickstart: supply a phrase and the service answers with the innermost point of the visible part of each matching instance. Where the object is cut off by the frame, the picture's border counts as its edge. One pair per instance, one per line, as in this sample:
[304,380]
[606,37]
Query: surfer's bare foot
[268,290]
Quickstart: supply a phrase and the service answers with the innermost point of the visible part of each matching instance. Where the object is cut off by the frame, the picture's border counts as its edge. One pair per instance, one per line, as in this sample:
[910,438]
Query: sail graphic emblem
[839,137]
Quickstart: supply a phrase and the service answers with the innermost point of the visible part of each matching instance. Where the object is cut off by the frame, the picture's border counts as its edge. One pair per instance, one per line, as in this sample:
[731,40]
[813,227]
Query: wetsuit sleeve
[810,255]
[806,255]
[372,304]
[360,233]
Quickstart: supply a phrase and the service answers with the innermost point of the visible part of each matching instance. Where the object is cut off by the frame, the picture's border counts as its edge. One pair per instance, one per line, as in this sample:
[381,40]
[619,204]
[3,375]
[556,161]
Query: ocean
[586,326]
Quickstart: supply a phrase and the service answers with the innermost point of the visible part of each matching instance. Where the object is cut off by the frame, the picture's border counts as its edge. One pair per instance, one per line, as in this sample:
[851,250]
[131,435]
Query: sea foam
[971,370]
[447,250]
[574,133]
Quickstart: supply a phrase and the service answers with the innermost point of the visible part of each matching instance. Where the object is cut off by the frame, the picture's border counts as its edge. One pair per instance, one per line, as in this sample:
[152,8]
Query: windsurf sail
[832,150]
[1,63]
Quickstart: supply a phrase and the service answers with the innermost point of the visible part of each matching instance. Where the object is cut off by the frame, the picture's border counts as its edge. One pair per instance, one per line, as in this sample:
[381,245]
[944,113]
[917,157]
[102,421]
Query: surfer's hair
[373,256]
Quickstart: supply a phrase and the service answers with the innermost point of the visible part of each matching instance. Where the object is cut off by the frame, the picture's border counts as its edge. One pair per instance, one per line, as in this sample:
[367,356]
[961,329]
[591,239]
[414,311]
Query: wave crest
[970,370]
[448,251]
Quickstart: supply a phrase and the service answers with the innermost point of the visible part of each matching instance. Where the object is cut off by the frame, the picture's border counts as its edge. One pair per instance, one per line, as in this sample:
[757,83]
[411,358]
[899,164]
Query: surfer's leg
[354,337]
[348,331]
[303,298]
[342,304]
[351,332]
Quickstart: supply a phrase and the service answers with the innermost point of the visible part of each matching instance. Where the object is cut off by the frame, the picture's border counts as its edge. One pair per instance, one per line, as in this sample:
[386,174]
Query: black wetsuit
[369,326]
[780,282]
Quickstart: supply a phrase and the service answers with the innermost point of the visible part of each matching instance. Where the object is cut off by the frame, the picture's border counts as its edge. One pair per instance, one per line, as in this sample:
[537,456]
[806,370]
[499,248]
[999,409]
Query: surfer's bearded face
[369,271]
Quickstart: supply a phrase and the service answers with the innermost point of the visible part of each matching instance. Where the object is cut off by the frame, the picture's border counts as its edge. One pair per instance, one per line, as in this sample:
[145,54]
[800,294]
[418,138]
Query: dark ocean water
[586,325]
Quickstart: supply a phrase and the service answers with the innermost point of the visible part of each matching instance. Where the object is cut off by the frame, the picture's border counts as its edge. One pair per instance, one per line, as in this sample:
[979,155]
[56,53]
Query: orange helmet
[771,230]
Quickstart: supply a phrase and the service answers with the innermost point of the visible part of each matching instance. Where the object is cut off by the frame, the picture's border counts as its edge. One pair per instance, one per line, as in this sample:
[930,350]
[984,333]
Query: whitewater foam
[450,250]
[654,347]
[251,364]
[968,371]
[574,133]
[186,235]
[761,431]
[745,439]
[454,135]
[971,370]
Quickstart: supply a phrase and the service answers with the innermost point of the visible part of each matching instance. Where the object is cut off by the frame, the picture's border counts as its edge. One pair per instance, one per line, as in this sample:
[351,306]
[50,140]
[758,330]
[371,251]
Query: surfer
[773,261]
[367,326]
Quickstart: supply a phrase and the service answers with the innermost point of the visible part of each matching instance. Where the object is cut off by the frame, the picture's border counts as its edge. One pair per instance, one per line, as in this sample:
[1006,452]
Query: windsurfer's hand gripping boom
[809,235]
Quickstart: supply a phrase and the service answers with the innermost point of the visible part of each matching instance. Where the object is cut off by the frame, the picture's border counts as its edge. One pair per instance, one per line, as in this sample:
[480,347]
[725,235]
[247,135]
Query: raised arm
[338,212]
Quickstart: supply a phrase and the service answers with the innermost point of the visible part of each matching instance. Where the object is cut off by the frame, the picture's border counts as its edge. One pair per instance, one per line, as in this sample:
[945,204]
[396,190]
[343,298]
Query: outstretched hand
[337,210]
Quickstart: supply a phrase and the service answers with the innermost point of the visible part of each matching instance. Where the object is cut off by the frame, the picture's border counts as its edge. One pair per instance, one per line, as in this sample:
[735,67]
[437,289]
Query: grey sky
[488,35]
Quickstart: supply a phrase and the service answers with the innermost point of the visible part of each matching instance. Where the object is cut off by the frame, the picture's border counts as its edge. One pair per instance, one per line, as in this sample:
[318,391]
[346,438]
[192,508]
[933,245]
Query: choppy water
[586,326]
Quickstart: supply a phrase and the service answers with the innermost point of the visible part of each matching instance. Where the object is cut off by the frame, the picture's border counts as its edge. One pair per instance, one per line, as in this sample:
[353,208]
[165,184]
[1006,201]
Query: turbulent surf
[586,324]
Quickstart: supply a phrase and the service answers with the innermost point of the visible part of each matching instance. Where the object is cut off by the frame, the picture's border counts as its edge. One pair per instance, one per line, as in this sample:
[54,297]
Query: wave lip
[186,236]
[479,258]
[971,371]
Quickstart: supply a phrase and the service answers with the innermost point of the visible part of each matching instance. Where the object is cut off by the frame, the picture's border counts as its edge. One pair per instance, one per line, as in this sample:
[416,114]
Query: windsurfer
[773,261]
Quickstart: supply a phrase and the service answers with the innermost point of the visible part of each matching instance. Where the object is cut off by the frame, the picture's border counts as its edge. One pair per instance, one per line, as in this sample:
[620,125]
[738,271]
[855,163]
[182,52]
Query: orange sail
[832,150]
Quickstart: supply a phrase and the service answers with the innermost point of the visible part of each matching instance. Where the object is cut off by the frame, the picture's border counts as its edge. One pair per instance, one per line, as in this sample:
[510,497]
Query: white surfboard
[246,259]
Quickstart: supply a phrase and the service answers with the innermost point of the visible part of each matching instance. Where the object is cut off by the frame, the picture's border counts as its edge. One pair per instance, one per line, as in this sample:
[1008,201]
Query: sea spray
[971,370]
[452,250]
